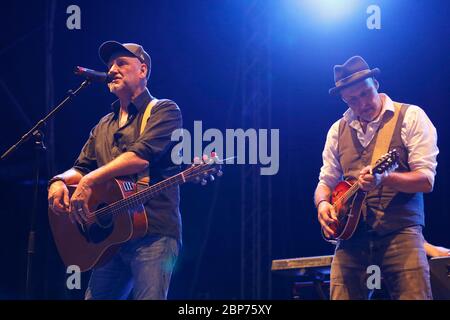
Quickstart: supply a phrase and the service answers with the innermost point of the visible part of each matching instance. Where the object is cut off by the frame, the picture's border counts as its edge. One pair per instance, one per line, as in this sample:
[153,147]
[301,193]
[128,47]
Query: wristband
[54,179]
[320,201]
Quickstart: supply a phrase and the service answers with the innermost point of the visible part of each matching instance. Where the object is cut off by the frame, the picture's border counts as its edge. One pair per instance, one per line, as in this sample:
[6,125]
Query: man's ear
[144,70]
[376,83]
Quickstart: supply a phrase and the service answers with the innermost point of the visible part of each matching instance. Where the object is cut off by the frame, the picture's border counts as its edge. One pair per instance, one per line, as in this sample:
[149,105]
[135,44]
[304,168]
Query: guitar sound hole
[102,227]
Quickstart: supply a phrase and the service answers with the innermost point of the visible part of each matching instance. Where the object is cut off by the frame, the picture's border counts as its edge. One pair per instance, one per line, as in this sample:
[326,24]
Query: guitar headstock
[387,163]
[204,169]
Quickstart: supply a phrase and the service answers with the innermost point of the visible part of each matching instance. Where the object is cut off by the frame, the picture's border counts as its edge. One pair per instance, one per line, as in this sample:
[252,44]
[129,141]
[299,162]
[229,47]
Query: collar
[137,104]
[387,105]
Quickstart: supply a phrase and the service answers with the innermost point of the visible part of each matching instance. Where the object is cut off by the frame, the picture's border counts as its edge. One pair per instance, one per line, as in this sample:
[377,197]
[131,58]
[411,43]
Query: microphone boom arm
[35,130]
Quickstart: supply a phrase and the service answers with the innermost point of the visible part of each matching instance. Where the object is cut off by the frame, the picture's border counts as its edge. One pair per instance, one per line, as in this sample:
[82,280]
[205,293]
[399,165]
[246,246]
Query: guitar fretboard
[390,157]
[143,196]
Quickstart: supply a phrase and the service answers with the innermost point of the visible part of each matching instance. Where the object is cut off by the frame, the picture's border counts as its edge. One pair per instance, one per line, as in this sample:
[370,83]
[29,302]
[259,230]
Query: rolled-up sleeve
[86,161]
[331,171]
[155,141]
[420,137]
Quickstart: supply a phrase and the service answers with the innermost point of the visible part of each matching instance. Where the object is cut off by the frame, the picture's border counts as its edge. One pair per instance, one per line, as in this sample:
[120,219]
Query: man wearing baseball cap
[128,142]
[389,233]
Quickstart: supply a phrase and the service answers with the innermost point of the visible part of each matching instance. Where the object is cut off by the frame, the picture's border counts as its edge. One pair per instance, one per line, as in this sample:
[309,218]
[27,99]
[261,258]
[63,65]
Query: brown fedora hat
[353,70]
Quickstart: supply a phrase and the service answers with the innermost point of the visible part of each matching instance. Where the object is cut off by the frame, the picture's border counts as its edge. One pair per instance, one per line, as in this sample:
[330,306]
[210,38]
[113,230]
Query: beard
[116,87]
[369,113]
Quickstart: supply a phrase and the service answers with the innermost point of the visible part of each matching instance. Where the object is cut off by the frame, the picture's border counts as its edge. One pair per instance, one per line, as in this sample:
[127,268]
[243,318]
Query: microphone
[92,75]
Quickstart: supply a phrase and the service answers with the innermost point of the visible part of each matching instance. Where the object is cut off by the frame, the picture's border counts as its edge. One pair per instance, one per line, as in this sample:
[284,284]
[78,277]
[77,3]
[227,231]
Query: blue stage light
[329,10]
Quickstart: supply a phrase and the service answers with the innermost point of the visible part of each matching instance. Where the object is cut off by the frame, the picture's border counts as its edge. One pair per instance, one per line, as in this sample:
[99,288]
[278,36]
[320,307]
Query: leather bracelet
[54,179]
[320,201]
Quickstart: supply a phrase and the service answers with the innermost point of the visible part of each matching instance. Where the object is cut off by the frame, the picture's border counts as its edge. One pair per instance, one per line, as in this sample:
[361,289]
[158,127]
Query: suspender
[143,177]
[147,113]
[385,135]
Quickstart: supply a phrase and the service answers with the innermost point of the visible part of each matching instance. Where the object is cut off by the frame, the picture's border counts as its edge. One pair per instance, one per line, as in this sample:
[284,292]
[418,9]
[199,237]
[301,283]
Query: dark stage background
[197,52]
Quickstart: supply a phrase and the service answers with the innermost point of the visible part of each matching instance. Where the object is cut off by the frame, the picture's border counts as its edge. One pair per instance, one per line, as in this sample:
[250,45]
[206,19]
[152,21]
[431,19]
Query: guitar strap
[385,135]
[143,177]
[382,144]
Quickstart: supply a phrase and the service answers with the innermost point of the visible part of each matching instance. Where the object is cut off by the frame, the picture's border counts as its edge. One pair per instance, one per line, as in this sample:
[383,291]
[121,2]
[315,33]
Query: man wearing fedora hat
[389,233]
[123,144]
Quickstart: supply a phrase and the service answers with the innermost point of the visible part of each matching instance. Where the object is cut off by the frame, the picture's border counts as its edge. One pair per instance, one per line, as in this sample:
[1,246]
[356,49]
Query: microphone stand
[38,137]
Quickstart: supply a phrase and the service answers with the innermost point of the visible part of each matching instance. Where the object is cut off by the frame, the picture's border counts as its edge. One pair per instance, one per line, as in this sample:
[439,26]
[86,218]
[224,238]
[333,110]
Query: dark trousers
[399,256]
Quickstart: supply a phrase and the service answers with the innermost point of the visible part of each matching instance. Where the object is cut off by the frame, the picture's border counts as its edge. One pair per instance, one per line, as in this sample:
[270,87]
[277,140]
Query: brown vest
[385,210]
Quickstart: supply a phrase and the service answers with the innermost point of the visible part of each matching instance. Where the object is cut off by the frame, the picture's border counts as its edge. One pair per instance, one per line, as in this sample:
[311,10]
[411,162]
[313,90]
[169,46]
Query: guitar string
[127,203]
[347,195]
[117,209]
[351,191]
[135,199]
[348,191]
[139,193]
[130,200]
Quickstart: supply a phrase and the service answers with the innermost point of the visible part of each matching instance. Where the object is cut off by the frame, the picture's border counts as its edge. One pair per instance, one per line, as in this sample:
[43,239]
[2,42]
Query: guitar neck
[143,196]
[353,189]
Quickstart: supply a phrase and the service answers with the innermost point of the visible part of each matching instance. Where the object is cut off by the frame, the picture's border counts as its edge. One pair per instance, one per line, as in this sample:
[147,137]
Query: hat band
[352,77]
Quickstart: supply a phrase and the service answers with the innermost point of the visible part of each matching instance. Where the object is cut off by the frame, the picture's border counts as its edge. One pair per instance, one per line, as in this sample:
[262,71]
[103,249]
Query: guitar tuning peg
[203,182]
[219,173]
[211,178]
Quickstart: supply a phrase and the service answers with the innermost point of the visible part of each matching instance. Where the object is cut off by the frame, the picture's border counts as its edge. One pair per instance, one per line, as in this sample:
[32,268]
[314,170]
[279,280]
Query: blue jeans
[400,256]
[142,266]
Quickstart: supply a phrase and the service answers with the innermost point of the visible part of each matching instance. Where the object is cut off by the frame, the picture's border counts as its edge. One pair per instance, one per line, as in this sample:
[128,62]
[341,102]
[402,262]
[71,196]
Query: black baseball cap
[109,48]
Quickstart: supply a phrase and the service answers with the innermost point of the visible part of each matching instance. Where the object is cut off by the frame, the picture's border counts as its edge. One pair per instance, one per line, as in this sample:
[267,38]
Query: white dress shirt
[418,135]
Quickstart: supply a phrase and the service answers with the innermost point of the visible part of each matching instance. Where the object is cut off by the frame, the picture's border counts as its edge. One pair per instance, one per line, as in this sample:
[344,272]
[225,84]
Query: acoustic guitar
[116,215]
